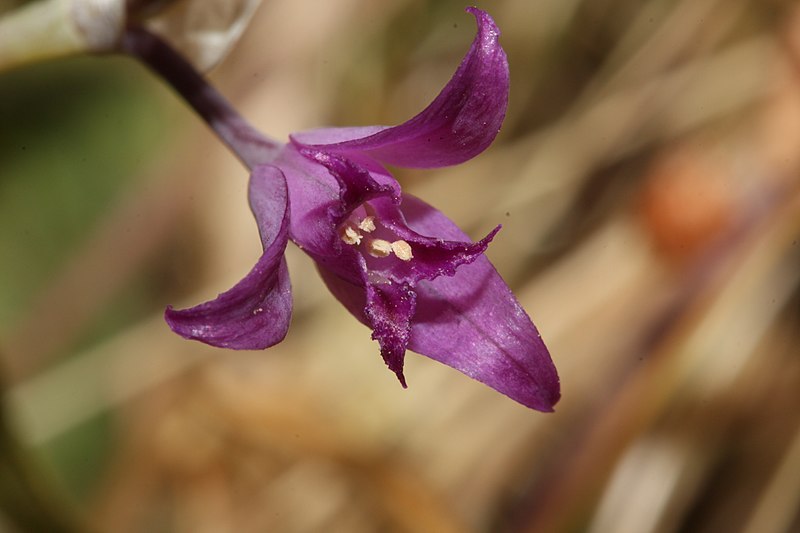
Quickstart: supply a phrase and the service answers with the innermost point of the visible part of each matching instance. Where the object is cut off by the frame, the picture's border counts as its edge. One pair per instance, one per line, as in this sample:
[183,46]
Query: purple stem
[249,145]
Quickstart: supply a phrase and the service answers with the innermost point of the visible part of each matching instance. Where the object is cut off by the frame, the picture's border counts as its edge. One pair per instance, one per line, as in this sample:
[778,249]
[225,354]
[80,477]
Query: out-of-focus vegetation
[648,182]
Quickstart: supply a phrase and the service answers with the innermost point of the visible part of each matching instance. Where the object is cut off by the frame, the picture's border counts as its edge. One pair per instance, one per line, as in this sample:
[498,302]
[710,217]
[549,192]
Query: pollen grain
[367,225]
[379,248]
[402,250]
[349,235]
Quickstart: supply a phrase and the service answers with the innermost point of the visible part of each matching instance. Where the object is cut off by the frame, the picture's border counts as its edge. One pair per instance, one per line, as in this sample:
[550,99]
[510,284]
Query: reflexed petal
[473,323]
[255,313]
[458,125]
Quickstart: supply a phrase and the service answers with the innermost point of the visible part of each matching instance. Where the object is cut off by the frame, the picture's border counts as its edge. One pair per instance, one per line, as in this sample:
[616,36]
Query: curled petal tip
[255,313]
[460,123]
[486,23]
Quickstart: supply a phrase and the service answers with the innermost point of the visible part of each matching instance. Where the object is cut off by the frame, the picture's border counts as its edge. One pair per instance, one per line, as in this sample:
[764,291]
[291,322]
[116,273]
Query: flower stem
[250,146]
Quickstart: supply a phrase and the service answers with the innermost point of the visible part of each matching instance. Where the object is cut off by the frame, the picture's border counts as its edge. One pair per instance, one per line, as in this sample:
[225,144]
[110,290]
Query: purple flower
[397,264]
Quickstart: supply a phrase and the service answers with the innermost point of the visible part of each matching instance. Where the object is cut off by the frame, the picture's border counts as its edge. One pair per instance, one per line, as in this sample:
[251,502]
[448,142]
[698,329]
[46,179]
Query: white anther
[379,248]
[367,225]
[402,250]
[349,235]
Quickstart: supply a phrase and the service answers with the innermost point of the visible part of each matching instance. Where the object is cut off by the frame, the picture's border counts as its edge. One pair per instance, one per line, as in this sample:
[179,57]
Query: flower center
[365,232]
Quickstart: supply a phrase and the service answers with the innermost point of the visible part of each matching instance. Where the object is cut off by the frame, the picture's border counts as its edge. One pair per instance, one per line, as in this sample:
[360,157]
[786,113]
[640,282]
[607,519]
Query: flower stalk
[249,144]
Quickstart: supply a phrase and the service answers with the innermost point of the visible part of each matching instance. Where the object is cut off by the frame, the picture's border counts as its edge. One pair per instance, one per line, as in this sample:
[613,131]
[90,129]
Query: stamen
[349,234]
[402,250]
[367,225]
[379,248]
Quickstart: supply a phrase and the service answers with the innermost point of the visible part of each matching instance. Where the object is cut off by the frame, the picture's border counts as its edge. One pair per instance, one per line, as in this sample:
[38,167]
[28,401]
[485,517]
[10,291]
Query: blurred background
[648,183]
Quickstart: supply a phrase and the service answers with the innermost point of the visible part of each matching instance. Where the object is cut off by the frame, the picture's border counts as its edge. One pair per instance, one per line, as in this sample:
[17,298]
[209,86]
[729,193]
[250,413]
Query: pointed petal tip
[488,31]
[540,389]
[547,400]
[538,394]
[173,318]
[401,378]
[481,16]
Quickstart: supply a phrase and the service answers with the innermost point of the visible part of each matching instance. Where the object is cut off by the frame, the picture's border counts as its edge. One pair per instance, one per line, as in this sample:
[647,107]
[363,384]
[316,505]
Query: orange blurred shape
[687,201]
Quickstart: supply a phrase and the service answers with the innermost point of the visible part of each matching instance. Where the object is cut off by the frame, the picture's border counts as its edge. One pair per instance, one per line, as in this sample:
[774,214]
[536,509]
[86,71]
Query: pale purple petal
[473,323]
[313,194]
[458,125]
[255,313]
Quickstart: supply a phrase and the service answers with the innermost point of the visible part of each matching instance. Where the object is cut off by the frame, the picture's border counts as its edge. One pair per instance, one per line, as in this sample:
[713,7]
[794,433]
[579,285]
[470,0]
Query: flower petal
[470,321]
[356,183]
[313,194]
[473,323]
[458,125]
[432,256]
[389,310]
[323,189]
[255,313]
